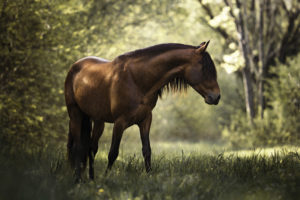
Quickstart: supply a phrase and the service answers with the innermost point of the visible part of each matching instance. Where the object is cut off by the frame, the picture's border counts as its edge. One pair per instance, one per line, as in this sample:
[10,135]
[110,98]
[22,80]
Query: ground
[180,171]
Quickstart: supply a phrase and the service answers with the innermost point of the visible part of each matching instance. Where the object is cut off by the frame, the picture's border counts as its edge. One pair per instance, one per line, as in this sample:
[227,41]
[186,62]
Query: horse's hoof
[148,169]
[92,177]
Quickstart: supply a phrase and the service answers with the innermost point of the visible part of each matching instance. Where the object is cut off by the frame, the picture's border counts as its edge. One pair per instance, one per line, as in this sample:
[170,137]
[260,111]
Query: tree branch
[229,4]
[218,29]
[284,7]
[244,17]
[285,42]
[207,9]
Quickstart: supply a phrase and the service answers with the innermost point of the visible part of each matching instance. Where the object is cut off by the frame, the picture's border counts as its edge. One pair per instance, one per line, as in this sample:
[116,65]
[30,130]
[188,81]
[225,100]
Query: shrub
[281,122]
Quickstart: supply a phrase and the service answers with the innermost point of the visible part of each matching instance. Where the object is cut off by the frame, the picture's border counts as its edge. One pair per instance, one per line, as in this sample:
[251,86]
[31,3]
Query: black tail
[70,149]
[86,129]
[82,152]
[77,153]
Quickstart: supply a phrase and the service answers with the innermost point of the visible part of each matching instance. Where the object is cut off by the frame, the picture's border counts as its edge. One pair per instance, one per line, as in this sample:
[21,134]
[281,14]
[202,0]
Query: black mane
[209,69]
[179,84]
[156,49]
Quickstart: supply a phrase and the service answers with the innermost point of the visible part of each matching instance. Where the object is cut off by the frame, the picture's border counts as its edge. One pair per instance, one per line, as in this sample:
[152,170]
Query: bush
[281,123]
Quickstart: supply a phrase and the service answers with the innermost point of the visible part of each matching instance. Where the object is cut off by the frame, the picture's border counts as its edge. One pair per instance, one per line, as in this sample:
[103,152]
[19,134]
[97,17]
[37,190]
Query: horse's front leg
[144,127]
[119,127]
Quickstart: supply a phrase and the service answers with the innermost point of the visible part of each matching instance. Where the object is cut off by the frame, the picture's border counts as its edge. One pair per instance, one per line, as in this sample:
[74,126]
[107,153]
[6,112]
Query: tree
[264,30]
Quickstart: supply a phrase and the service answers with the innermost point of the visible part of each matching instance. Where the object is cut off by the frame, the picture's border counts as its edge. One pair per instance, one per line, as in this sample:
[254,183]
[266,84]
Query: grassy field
[180,171]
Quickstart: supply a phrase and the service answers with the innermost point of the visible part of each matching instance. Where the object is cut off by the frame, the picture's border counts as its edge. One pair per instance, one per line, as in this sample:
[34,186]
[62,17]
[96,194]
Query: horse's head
[202,76]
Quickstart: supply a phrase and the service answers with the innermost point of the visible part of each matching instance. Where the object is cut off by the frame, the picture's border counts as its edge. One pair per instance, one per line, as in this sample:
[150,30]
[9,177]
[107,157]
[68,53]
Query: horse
[124,91]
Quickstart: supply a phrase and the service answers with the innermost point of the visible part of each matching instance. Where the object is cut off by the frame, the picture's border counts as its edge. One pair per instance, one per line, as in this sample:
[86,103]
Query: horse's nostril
[210,98]
[217,99]
[213,99]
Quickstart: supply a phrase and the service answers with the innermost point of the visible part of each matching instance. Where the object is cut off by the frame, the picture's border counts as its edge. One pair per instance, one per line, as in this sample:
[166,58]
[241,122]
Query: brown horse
[125,91]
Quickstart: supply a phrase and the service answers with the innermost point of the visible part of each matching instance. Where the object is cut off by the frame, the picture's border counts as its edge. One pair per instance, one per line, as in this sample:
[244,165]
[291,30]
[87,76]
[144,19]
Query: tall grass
[178,173]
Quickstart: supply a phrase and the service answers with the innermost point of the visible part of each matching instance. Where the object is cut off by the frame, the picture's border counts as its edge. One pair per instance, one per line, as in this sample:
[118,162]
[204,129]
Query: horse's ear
[202,47]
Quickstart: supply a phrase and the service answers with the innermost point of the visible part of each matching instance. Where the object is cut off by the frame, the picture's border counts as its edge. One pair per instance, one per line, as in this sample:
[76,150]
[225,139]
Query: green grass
[180,171]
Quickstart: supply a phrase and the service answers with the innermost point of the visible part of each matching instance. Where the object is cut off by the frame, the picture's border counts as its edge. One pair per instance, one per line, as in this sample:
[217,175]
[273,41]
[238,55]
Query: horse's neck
[163,68]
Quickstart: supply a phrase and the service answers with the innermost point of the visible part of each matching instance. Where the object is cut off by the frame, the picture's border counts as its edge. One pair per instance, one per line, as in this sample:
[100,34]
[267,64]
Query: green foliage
[285,99]
[281,123]
[30,96]
[39,41]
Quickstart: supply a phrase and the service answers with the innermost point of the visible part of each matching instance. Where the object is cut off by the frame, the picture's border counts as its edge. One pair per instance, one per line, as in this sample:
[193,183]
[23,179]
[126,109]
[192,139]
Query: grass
[180,171]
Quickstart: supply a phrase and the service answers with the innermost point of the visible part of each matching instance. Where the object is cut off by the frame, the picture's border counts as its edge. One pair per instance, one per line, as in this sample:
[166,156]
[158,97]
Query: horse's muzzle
[213,99]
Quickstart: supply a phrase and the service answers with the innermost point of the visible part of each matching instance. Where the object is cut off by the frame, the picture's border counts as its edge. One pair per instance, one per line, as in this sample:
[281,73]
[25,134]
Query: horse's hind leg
[96,134]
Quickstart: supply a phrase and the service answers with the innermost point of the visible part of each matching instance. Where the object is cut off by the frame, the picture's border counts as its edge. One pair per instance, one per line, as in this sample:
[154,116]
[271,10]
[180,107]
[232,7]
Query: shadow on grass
[176,175]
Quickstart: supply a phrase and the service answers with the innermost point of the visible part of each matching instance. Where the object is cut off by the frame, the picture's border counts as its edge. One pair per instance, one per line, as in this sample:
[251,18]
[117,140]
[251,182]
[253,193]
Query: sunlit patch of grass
[187,147]
[200,171]
[180,171]
[266,151]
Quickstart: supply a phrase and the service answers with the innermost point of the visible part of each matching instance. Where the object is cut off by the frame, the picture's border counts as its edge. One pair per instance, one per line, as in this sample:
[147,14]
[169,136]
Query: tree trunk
[248,89]
[246,71]
[262,66]
[263,36]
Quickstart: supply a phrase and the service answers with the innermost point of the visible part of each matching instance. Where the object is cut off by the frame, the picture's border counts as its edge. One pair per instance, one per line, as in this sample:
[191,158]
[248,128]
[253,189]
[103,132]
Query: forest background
[255,46]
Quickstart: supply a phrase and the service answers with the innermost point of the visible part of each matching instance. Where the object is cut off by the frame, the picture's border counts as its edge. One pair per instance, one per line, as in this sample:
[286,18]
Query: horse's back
[91,59]
[86,62]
